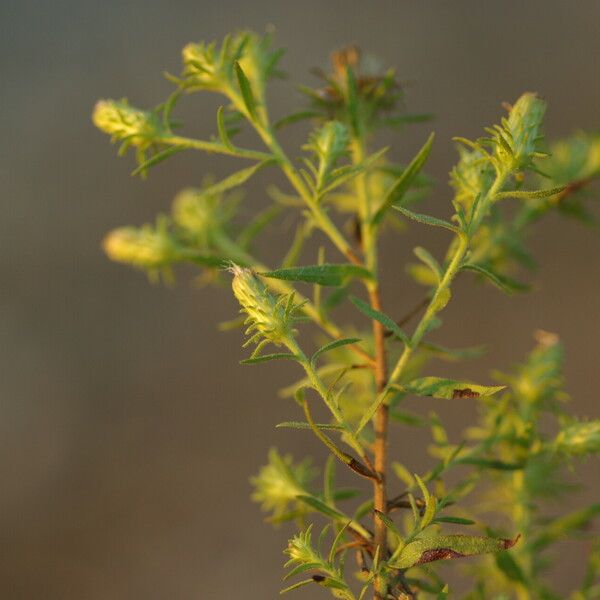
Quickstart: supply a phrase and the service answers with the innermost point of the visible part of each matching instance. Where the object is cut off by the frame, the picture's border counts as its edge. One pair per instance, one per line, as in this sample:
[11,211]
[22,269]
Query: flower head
[270,318]
[132,126]
[149,247]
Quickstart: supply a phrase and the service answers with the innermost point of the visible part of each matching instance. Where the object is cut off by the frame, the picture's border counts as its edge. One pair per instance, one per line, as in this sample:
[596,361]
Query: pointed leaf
[509,566]
[504,283]
[236,179]
[206,260]
[425,257]
[531,195]
[438,387]
[325,274]
[382,318]
[489,463]
[332,346]
[295,118]
[304,425]
[321,507]
[246,90]
[401,185]
[426,219]
[388,523]
[455,520]
[564,526]
[268,357]
[155,159]
[257,224]
[223,135]
[297,585]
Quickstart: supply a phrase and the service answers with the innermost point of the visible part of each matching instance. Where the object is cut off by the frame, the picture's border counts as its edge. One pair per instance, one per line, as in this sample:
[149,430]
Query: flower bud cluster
[269,317]
[148,247]
[198,215]
[125,123]
[580,438]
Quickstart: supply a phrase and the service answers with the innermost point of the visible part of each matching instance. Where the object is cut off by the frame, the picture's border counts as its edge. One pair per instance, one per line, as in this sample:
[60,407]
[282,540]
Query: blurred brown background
[128,429]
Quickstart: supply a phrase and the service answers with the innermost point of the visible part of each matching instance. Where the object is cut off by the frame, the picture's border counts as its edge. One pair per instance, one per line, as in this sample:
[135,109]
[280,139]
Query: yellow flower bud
[146,247]
[123,122]
[580,438]
[268,316]
[197,214]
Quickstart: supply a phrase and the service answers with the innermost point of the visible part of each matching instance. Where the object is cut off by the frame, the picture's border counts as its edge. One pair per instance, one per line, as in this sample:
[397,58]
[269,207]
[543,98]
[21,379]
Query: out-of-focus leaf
[332,346]
[382,318]
[401,185]
[325,274]
[506,284]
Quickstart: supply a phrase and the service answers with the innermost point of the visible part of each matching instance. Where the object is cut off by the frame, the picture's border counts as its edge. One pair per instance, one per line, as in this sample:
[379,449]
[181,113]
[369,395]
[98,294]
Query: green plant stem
[321,389]
[444,286]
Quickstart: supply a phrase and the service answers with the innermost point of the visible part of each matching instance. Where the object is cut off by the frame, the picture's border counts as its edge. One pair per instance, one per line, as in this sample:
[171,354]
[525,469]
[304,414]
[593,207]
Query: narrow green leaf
[332,346]
[426,219]
[267,357]
[297,585]
[425,257]
[388,523]
[206,260]
[364,509]
[321,507]
[302,568]
[402,184]
[564,526]
[444,593]
[346,493]
[223,135]
[430,503]
[329,480]
[509,566]
[246,90]
[295,118]
[382,318]
[371,410]
[325,274]
[352,100]
[304,425]
[258,224]
[156,159]
[531,195]
[488,463]
[452,354]
[444,547]
[505,284]
[407,418]
[336,542]
[455,520]
[344,174]
[236,179]
[438,387]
